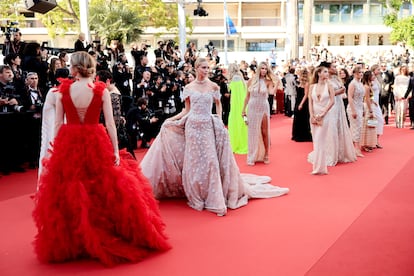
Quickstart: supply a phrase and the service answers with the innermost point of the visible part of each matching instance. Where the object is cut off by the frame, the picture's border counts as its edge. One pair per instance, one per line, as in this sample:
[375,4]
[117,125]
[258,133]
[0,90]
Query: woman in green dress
[237,125]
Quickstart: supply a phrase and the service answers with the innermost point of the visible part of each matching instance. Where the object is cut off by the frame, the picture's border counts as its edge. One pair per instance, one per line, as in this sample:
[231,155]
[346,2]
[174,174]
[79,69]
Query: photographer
[17,45]
[11,124]
[161,94]
[14,61]
[35,61]
[122,75]
[80,44]
[160,51]
[139,70]
[8,94]
[143,88]
[221,81]
[137,53]
[33,101]
[161,67]
[141,120]
[190,54]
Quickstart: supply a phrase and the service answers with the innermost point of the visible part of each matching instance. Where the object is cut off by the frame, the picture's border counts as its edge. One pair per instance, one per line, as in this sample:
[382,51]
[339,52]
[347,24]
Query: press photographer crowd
[143,94]
[147,93]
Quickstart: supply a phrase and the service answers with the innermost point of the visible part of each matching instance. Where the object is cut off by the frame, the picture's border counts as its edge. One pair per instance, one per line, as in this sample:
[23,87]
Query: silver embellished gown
[192,158]
[356,123]
[257,110]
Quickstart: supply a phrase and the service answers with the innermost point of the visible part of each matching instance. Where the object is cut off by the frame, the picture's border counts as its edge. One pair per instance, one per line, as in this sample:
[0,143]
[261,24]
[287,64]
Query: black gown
[301,128]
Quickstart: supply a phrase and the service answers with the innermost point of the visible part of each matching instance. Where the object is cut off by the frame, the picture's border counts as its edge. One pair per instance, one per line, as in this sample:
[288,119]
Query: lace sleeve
[216,94]
[116,106]
[186,93]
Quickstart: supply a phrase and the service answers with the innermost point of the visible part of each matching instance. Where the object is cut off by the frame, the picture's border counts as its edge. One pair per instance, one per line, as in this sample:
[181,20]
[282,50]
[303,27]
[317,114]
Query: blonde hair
[374,67]
[233,70]
[199,61]
[84,63]
[269,75]
[303,76]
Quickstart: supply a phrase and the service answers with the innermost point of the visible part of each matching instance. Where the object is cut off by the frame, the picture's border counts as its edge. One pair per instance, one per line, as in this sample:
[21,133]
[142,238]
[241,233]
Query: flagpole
[225,33]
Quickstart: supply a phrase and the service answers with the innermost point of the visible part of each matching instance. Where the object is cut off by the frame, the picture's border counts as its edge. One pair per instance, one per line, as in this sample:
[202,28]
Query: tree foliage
[402,27]
[115,21]
[123,19]
[9,12]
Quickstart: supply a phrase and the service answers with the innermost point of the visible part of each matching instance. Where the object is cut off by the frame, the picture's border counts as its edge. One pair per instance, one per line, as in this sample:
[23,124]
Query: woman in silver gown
[192,158]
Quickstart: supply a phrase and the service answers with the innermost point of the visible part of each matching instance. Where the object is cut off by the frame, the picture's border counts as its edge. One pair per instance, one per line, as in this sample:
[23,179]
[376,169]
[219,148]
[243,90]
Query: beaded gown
[192,158]
[356,123]
[339,148]
[86,207]
[257,110]
[376,88]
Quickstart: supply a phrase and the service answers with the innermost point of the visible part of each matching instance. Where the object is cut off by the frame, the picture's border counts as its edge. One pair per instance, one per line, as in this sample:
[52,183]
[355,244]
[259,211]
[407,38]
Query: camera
[156,113]
[147,45]
[209,47]
[38,106]
[10,29]
[19,108]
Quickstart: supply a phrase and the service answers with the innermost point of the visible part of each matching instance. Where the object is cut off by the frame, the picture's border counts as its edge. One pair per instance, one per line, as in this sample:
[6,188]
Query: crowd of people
[191,114]
[148,94]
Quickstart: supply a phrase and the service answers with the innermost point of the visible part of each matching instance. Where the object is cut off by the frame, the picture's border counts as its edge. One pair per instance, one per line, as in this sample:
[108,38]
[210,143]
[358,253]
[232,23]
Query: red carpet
[354,221]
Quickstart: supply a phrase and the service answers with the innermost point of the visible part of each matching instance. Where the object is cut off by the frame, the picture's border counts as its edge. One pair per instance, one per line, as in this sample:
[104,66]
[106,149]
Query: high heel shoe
[366,149]
[359,154]
[266,160]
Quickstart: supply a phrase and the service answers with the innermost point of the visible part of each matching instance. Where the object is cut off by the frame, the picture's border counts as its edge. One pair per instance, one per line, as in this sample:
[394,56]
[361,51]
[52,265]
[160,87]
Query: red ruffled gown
[88,208]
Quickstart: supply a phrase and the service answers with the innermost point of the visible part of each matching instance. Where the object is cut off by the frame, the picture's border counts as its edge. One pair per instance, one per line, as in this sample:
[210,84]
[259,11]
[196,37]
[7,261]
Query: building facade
[352,25]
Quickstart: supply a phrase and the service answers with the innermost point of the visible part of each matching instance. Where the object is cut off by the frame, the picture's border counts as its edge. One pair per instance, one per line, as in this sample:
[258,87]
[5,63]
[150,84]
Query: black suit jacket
[410,89]
[388,78]
[80,47]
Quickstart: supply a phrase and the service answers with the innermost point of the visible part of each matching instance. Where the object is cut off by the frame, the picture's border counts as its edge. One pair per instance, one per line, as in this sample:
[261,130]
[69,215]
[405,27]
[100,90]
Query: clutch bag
[372,123]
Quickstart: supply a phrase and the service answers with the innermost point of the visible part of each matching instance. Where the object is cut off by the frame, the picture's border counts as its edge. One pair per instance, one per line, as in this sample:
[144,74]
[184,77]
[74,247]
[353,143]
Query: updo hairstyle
[84,63]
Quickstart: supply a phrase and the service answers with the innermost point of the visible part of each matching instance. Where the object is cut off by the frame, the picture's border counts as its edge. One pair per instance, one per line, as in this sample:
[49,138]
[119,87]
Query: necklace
[201,81]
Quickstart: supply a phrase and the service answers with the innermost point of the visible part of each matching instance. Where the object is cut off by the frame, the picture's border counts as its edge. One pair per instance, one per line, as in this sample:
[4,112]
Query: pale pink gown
[257,110]
[192,158]
[322,134]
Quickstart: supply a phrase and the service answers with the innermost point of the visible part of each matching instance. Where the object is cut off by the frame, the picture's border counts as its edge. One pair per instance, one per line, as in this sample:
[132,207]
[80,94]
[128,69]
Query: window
[262,46]
[219,44]
[405,9]
[345,13]
[358,13]
[342,40]
[317,40]
[334,13]
[318,13]
[380,40]
[356,40]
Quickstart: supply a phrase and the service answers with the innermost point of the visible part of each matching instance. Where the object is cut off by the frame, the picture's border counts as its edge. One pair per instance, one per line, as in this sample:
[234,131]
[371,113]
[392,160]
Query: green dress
[236,126]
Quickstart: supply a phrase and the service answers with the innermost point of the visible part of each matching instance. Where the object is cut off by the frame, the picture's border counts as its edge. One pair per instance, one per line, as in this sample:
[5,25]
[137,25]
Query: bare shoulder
[214,86]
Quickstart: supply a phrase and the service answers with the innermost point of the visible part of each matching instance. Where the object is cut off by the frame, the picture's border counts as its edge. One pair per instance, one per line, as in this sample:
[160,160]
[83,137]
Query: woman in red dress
[91,203]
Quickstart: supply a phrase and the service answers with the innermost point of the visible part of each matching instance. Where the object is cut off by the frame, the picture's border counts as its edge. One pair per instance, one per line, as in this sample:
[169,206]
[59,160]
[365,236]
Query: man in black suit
[386,97]
[160,52]
[80,44]
[411,100]
[141,121]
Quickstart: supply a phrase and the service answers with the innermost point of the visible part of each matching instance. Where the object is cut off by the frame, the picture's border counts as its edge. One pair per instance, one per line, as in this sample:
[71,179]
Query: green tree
[9,12]
[115,21]
[126,17]
[402,27]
